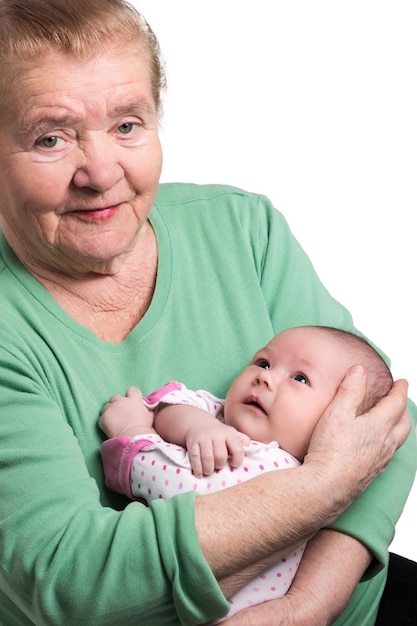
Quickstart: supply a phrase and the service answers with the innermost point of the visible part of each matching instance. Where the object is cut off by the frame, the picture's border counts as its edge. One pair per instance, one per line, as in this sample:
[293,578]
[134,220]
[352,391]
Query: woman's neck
[112,304]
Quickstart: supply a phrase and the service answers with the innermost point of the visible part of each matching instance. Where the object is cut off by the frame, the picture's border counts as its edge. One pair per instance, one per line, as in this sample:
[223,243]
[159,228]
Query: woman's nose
[99,168]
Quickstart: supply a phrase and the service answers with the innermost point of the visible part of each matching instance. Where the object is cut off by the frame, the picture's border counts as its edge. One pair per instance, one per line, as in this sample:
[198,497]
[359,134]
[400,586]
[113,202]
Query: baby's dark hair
[379,377]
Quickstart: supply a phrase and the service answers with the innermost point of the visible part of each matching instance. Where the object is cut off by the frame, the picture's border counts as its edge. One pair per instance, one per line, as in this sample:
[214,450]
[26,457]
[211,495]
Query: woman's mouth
[96,215]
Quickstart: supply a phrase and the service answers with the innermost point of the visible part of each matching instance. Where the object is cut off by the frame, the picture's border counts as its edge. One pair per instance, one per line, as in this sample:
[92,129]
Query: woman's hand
[329,572]
[306,611]
[280,612]
[359,447]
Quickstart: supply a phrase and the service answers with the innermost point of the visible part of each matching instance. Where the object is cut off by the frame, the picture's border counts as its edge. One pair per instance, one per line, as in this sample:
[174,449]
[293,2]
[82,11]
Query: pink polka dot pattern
[164,470]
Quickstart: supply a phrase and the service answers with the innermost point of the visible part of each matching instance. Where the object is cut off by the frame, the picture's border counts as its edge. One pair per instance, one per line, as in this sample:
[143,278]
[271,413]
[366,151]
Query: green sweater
[230,275]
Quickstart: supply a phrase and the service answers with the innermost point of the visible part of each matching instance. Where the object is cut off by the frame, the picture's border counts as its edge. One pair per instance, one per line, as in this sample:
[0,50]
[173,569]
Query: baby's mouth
[255,402]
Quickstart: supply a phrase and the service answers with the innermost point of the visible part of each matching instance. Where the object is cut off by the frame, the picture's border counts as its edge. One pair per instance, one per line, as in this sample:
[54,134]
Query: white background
[315,105]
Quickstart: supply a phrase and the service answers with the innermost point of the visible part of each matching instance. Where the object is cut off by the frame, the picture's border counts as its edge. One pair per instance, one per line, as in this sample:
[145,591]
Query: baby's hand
[212,444]
[126,415]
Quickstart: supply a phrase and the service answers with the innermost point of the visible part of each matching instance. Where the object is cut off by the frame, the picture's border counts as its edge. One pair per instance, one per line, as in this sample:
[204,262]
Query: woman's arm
[296,297]
[345,454]
[144,561]
[335,425]
[313,598]
[66,555]
[48,495]
[330,556]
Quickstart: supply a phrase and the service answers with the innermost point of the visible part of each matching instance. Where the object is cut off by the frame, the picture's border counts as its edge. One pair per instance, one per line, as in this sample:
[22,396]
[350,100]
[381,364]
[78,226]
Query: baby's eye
[263,363]
[301,379]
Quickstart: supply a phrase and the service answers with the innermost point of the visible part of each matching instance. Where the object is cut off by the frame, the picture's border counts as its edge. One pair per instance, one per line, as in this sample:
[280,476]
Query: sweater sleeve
[296,296]
[73,560]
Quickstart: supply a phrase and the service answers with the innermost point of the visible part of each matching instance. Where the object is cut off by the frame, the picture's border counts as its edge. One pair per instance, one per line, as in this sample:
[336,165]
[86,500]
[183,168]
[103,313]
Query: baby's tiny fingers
[113,399]
[195,460]
[133,392]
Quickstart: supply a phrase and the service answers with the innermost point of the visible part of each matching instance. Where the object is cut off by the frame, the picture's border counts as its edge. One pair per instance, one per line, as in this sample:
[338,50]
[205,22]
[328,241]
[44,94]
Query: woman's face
[80,161]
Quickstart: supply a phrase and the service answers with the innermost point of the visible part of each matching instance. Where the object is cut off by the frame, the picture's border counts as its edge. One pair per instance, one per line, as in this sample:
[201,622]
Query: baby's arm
[126,415]
[209,442]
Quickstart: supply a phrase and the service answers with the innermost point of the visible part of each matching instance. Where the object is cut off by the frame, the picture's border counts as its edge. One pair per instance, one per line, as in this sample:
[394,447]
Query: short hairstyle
[82,28]
[379,377]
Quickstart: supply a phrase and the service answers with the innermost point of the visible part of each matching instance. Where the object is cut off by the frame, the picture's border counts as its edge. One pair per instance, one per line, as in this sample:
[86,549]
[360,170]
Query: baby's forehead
[306,334]
[306,342]
[299,335]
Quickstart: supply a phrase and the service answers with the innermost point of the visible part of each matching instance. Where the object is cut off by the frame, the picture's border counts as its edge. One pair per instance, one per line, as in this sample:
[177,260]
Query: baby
[177,440]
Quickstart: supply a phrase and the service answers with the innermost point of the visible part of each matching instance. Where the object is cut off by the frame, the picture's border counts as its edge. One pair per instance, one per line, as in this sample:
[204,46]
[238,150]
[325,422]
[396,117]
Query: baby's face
[282,393]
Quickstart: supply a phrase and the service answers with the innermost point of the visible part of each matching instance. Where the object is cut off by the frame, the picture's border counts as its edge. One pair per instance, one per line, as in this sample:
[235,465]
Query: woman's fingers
[353,448]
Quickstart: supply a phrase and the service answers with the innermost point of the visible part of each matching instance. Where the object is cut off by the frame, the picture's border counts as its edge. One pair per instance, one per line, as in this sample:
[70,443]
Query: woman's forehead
[59,78]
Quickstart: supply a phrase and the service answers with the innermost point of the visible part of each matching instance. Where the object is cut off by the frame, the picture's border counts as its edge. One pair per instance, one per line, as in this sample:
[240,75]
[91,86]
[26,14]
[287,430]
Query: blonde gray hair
[30,29]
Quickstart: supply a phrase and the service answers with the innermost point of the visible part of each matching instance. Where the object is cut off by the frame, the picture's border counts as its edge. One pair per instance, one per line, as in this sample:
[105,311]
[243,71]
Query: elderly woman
[109,280]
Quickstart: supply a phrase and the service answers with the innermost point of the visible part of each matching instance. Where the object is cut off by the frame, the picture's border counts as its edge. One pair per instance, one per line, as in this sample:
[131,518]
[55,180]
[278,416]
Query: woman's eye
[263,363]
[50,142]
[301,379]
[127,127]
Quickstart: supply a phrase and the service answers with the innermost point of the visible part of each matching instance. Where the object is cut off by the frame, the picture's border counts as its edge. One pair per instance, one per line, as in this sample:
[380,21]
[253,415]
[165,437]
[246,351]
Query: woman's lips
[96,215]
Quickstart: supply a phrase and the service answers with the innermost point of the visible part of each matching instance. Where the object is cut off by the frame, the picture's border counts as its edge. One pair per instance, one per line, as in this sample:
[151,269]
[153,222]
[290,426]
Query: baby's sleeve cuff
[118,454]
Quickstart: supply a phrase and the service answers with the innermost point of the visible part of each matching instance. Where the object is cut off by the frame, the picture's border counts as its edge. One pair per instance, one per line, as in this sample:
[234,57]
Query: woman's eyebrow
[144,107]
[45,124]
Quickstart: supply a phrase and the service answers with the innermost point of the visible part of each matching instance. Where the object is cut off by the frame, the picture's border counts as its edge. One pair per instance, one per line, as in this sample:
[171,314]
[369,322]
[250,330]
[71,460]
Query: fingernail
[357,370]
